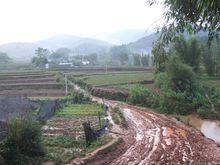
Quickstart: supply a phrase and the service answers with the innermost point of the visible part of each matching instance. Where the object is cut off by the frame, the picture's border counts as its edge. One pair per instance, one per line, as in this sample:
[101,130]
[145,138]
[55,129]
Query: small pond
[209,128]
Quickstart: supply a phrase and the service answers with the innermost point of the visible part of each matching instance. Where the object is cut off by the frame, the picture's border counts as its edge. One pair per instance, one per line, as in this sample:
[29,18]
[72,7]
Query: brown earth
[28,80]
[34,92]
[69,126]
[153,138]
[31,85]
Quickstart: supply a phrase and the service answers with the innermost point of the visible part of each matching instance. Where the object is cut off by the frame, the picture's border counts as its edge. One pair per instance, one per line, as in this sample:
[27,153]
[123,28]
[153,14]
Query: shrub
[181,77]
[109,93]
[175,103]
[140,95]
[23,141]
[78,97]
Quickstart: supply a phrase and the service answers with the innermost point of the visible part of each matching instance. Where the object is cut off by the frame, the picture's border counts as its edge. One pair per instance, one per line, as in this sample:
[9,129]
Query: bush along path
[152,138]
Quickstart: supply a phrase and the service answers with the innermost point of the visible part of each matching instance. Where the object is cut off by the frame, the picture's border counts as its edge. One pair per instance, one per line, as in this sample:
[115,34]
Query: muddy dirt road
[153,138]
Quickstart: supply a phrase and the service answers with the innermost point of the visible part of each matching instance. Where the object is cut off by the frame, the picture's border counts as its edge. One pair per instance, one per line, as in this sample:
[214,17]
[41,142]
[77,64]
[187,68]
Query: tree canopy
[120,53]
[4,58]
[41,57]
[191,16]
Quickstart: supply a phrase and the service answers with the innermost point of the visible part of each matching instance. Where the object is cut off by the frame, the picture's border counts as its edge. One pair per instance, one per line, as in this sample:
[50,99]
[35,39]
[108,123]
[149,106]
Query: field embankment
[30,84]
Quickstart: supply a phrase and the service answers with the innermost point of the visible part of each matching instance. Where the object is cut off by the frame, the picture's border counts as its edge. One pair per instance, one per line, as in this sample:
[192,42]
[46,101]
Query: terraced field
[30,84]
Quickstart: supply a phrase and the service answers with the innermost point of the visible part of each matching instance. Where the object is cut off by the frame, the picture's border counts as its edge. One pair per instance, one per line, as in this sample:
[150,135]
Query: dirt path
[156,139]
[152,138]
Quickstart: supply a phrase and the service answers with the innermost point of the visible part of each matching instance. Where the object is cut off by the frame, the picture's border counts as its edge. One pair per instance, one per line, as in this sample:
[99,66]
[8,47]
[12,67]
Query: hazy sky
[30,20]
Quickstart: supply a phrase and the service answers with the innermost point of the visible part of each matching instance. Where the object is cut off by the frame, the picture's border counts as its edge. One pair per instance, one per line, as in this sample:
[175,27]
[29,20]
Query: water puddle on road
[210,129]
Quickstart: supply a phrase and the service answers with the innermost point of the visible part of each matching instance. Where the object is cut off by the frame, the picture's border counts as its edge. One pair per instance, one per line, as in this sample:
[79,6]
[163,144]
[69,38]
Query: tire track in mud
[153,138]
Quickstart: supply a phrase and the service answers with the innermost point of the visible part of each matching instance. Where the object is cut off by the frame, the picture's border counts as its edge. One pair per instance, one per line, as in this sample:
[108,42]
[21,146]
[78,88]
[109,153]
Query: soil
[152,138]
[34,92]
[69,126]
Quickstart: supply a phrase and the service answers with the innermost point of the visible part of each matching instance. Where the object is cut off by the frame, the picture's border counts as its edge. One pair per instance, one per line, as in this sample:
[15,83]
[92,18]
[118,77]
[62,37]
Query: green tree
[190,15]
[92,58]
[189,51]
[136,59]
[119,53]
[211,58]
[60,55]
[4,58]
[181,76]
[41,57]
[145,60]
[160,56]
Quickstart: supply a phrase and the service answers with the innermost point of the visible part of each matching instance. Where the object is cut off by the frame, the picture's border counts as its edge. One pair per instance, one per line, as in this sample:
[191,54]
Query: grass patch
[118,117]
[80,110]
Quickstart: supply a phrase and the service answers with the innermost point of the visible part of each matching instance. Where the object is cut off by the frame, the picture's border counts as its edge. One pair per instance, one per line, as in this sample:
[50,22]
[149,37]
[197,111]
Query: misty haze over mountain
[81,45]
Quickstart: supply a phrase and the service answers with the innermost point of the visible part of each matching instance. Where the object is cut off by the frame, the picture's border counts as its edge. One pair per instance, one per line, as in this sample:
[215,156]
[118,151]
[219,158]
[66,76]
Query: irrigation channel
[153,138]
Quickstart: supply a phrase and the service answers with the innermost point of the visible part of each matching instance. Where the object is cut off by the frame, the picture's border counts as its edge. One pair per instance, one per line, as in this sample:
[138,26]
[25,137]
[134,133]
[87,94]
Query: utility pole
[106,68]
[66,84]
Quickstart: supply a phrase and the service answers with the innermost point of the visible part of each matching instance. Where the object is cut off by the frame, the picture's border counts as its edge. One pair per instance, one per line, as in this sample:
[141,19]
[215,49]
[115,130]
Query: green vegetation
[23,143]
[111,79]
[80,110]
[130,86]
[41,57]
[69,142]
[119,53]
[182,93]
[62,149]
[110,93]
[140,95]
[189,15]
[118,117]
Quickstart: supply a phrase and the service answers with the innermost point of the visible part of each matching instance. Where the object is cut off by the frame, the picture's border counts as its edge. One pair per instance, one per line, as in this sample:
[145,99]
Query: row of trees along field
[119,55]
[122,55]
[181,63]
[194,52]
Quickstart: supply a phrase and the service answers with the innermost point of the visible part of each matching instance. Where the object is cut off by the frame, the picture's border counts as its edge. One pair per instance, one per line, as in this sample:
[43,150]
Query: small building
[85,62]
[66,64]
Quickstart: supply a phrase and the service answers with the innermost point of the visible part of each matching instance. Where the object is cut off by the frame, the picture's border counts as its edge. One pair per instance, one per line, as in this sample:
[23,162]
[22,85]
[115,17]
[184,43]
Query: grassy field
[115,78]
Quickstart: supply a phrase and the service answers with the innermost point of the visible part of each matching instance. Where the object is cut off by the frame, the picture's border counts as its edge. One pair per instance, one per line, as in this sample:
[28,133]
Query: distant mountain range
[144,44]
[79,45]
[124,36]
[138,42]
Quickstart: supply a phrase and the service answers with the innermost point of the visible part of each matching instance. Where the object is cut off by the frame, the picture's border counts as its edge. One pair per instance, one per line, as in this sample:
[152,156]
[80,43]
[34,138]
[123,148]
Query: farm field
[115,78]
[30,84]
[63,135]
